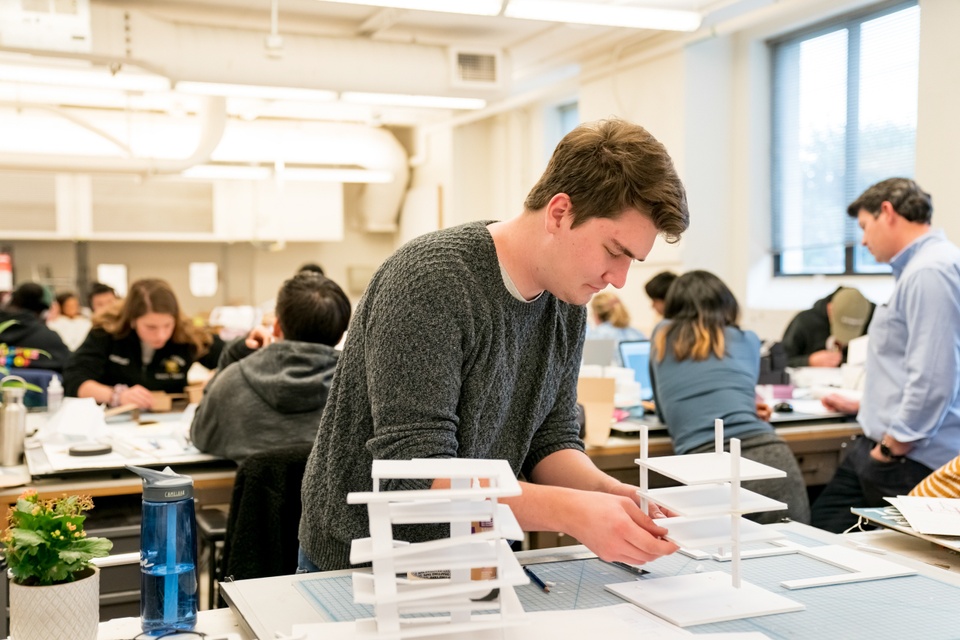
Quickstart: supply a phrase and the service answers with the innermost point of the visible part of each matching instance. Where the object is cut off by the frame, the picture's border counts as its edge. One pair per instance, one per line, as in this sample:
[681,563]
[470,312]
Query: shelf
[704,533]
[710,500]
[707,468]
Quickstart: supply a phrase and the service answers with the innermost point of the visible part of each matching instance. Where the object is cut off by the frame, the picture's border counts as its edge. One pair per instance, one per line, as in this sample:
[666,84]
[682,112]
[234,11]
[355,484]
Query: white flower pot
[70,610]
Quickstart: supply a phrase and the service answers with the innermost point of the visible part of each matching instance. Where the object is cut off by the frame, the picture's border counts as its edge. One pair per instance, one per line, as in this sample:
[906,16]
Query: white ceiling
[325,46]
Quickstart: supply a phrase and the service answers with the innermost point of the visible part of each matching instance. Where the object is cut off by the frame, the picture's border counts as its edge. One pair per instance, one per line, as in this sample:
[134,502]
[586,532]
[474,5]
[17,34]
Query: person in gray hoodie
[270,388]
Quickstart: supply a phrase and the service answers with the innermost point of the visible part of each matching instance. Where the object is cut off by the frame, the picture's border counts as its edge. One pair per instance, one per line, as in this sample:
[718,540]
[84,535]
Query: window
[844,117]
[569,115]
[560,120]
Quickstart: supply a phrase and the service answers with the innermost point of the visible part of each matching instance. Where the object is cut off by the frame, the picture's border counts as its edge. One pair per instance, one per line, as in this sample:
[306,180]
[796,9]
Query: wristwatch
[886,452]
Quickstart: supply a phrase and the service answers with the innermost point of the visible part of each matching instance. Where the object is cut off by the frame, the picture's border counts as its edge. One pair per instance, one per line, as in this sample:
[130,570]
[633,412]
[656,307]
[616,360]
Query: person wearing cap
[27,342]
[910,409]
[818,337]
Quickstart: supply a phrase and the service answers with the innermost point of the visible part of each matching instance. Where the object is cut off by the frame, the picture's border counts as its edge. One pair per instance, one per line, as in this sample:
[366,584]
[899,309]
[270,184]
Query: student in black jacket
[27,341]
[147,344]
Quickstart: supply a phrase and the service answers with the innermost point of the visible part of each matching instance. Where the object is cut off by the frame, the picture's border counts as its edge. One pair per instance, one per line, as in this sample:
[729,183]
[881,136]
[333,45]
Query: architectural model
[711,507]
[440,586]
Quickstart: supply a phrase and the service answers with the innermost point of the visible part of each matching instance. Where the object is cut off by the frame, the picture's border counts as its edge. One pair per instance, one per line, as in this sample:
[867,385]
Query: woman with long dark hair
[705,367]
[145,344]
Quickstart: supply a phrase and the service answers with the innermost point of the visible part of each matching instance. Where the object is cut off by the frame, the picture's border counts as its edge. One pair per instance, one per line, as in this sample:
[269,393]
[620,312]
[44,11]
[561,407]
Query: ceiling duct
[213,119]
[224,54]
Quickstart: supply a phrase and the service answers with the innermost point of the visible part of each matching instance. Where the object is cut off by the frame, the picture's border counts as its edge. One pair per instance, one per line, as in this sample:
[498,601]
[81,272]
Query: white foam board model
[700,598]
[456,591]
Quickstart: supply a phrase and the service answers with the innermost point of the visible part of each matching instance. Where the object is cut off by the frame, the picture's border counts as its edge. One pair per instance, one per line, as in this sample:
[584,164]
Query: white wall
[649,93]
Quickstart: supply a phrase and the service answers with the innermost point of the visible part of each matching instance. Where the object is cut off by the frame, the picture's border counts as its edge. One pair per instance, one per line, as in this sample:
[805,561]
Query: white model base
[862,567]
[702,598]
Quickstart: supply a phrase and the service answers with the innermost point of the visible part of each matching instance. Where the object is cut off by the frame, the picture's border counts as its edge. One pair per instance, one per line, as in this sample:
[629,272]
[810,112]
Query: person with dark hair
[467,344]
[27,342]
[657,287]
[71,325]
[146,344]
[910,408]
[270,393]
[311,267]
[704,367]
[101,296]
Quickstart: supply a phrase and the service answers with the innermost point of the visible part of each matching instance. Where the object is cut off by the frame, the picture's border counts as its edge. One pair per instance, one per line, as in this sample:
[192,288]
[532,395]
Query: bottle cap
[164,486]
[55,384]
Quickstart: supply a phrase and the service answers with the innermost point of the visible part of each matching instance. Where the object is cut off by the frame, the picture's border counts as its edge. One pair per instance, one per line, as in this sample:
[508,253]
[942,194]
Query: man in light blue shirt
[910,411]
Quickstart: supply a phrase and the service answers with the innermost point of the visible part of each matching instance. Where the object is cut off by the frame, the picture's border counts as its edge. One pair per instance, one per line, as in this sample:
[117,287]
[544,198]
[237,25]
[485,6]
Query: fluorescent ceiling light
[295,174]
[610,15]
[469,7]
[254,91]
[83,77]
[572,11]
[363,176]
[227,172]
[404,100]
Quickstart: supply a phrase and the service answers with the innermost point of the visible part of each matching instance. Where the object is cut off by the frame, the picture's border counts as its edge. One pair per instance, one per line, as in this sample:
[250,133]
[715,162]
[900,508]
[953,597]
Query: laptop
[635,354]
[599,351]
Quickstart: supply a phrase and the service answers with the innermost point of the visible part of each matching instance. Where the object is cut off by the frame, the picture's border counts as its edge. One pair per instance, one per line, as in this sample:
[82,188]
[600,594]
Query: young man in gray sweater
[467,344]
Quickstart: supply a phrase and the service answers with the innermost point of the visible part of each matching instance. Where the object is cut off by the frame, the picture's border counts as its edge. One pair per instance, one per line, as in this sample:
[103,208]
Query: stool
[211,531]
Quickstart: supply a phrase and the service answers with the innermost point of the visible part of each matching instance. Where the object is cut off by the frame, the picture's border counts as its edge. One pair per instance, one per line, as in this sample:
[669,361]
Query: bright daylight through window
[844,117]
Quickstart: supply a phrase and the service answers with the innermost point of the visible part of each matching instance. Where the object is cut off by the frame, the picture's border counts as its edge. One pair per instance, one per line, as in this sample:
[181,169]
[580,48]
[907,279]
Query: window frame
[845,21]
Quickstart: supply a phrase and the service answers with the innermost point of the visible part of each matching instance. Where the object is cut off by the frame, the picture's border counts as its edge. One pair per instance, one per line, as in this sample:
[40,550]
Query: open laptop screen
[636,355]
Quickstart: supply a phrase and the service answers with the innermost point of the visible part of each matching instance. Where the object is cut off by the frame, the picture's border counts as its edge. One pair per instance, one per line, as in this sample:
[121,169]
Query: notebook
[635,355]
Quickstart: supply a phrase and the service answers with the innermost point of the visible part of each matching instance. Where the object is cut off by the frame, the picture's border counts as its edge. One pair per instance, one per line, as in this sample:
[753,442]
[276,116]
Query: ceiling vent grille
[57,25]
[476,68]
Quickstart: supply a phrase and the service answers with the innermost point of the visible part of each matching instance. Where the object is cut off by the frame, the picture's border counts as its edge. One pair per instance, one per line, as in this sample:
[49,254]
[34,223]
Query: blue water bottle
[168,552]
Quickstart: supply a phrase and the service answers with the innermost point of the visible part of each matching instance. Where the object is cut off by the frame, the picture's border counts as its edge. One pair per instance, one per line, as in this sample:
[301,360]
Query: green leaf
[96,547]
[26,537]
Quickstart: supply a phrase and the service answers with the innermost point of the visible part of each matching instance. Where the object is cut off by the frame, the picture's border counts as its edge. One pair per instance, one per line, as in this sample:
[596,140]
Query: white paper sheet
[932,516]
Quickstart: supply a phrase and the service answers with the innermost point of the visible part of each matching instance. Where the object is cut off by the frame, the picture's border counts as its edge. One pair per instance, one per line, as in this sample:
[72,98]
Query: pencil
[536,579]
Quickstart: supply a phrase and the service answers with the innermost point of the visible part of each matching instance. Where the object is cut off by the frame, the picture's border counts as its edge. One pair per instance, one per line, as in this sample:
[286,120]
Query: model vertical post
[168,552]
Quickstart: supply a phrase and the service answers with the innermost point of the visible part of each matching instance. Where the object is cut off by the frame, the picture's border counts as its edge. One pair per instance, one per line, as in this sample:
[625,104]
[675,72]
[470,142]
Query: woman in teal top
[703,367]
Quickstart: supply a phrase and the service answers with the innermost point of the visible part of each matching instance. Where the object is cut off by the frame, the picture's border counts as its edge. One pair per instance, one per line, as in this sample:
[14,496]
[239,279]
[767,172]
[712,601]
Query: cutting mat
[912,606]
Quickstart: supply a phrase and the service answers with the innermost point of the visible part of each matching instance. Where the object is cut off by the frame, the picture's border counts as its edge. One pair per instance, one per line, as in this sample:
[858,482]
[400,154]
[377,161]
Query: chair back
[261,538]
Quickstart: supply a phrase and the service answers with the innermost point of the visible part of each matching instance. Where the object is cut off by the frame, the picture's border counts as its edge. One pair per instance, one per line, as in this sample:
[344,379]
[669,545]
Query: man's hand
[614,528]
[764,411]
[259,336]
[825,358]
[841,403]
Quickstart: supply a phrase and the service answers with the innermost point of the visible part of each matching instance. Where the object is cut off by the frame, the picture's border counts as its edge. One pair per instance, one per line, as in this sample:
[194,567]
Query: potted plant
[54,587]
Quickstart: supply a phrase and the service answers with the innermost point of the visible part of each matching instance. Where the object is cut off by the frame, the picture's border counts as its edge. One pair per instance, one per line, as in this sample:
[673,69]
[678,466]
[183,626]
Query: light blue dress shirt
[912,388]
[606,331]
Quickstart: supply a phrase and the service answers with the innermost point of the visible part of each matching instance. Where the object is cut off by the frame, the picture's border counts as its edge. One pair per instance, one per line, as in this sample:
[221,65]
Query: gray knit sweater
[440,362]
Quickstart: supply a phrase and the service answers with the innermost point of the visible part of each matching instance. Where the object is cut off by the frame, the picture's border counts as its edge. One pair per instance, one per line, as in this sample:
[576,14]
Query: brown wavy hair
[152,295]
[609,166]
